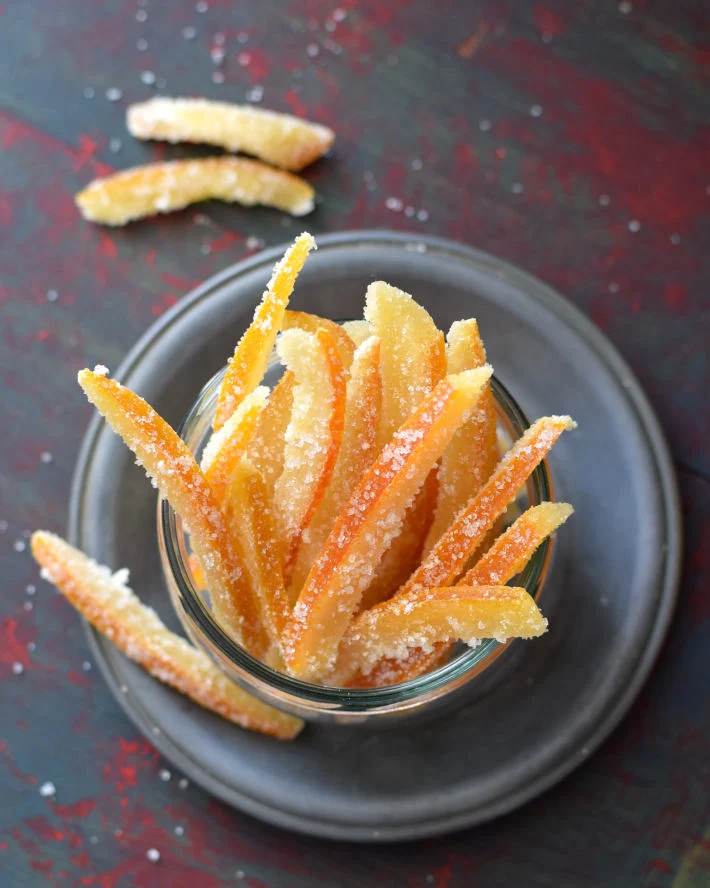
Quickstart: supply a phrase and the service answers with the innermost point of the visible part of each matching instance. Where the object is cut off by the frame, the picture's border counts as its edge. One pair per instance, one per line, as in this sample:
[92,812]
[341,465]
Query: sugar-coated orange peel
[513,549]
[168,461]
[468,461]
[314,432]
[412,357]
[302,320]
[507,556]
[358,450]
[248,363]
[227,446]
[428,617]
[281,139]
[251,520]
[266,449]
[358,331]
[166,187]
[369,521]
[448,559]
[107,602]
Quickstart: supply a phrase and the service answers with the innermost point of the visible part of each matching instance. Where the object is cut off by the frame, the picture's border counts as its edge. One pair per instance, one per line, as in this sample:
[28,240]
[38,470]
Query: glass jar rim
[204,623]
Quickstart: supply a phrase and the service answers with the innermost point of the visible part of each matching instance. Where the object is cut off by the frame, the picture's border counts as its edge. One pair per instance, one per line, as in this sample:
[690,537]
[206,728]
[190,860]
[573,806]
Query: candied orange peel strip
[110,606]
[248,363]
[358,450]
[266,449]
[228,445]
[505,559]
[281,139]
[468,461]
[429,617]
[313,435]
[513,549]
[443,565]
[302,320]
[168,461]
[166,187]
[369,521]
[251,520]
[412,357]
[358,331]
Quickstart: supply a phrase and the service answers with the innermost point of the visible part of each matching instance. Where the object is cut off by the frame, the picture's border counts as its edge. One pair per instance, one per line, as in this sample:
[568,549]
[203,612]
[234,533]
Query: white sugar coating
[222,441]
[101,370]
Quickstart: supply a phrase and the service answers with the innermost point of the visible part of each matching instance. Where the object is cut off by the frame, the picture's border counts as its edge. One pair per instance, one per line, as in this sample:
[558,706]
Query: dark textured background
[572,139]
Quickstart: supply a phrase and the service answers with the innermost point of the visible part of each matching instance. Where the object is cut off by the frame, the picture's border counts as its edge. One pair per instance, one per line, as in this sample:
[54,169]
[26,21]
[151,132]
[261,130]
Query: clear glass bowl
[444,688]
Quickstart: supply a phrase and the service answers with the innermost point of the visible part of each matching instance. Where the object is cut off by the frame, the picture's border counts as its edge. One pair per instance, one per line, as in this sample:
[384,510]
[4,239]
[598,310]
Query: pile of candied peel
[347,523]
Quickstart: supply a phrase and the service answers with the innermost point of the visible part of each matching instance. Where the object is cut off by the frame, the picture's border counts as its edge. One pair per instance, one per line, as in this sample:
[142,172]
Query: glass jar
[448,686]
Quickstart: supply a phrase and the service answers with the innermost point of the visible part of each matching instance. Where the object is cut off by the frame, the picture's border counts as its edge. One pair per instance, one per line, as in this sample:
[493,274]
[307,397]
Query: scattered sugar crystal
[312,50]
[164,775]
[183,783]
[17,668]
[417,164]
[189,32]
[3,525]
[148,78]
[28,606]
[613,287]
[394,204]
[217,77]
[423,215]
[339,14]
[392,60]
[205,249]
[19,545]
[161,83]
[89,92]
[31,646]
[604,200]
[30,589]
[179,830]
[47,789]
[141,44]
[634,225]
[517,187]
[255,94]
[153,855]
[45,457]
[484,125]
[141,15]
[254,243]
[674,239]
[101,370]
[202,6]
[51,296]
[115,145]
[536,110]
[625,7]
[86,666]
[217,55]
[220,38]
[124,689]
[409,212]
[114,94]
[242,37]
[330,26]
[93,840]
[155,731]
[240,874]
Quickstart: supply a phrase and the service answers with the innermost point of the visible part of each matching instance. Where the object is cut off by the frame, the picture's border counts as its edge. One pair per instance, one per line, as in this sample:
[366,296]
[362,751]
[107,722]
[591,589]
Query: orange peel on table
[248,363]
[251,519]
[166,187]
[358,449]
[313,435]
[369,521]
[281,139]
[469,460]
[106,601]
[430,617]
[168,461]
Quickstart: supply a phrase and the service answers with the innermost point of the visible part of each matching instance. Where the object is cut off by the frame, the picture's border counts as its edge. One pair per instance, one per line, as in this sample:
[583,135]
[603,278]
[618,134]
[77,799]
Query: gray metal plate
[609,597]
